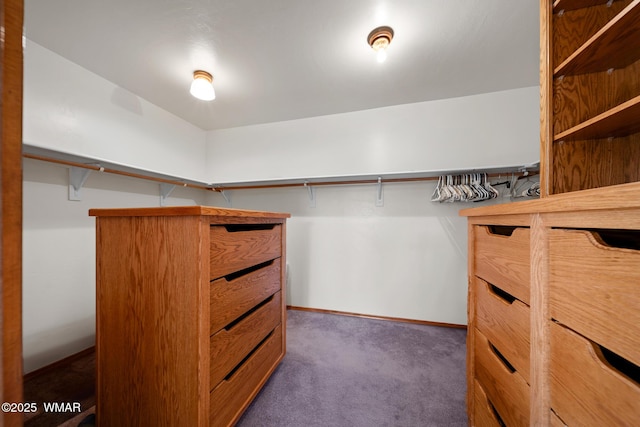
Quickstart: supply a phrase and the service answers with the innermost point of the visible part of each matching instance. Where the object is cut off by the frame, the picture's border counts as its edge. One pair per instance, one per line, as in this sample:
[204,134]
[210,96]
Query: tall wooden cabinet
[554,284]
[190,313]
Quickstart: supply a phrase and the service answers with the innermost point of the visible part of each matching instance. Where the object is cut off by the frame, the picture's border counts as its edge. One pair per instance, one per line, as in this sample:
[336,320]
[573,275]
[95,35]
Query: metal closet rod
[252,186]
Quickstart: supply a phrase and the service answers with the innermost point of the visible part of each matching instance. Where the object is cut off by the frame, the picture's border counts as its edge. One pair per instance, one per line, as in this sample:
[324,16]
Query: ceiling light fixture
[379,40]
[202,86]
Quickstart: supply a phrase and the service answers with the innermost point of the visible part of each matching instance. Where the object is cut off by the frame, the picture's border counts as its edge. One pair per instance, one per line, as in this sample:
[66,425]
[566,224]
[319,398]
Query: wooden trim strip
[375,317]
[58,364]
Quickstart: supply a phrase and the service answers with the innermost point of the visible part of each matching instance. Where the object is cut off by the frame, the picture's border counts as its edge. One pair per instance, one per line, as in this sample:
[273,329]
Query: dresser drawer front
[484,412]
[507,390]
[505,324]
[594,289]
[229,299]
[235,248]
[229,399]
[230,347]
[504,260]
[585,390]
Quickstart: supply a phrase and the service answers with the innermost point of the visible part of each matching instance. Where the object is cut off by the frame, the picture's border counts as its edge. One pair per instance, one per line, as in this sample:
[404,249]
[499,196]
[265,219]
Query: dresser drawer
[505,322]
[594,289]
[586,389]
[230,346]
[504,260]
[230,298]
[233,394]
[485,415]
[505,388]
[237,247]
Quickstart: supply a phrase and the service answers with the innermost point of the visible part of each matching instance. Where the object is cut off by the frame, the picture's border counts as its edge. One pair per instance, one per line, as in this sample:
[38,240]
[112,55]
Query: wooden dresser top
[188,211]
[623,196]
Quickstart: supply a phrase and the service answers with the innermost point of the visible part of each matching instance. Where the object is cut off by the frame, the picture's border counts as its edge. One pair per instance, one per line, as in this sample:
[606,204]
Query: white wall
[406,259]
[493,129]
[59,254]
[69,109]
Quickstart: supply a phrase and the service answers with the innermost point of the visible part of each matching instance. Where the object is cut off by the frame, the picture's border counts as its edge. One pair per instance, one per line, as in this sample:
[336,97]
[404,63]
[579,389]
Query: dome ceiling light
[202,86]
[379,40]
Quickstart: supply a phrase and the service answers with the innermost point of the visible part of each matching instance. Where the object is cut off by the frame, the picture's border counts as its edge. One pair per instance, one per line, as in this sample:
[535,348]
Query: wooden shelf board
[565,5]
[602,51]
[620,121]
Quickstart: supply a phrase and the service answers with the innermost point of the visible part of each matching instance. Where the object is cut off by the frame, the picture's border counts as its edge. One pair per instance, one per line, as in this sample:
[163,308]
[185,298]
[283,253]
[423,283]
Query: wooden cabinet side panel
[149,322]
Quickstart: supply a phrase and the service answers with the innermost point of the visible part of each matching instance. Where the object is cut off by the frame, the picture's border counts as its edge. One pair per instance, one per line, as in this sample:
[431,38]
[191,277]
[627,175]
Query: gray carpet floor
[347,371]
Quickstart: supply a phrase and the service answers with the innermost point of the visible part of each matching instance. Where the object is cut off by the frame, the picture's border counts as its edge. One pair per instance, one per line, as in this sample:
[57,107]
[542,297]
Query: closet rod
[315,183]
[115,171]
[220,188]
[357,181]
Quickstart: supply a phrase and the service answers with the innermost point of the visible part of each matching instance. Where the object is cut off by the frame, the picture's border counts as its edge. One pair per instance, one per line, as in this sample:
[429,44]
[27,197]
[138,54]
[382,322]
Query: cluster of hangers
[475,187]
[526,189]
[471,187]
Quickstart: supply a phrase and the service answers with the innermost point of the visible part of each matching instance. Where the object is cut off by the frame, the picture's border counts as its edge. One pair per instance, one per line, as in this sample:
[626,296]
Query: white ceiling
[275,60]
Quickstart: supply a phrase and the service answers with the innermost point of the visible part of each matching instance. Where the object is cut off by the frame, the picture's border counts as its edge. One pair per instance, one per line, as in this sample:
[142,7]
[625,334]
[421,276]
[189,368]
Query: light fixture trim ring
[380,36]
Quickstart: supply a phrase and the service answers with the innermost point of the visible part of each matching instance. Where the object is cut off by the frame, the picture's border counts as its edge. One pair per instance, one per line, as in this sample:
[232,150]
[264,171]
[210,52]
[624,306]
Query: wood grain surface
[221,214]
[615,45]
[11,390]
[505,324]
[588,276]
[232,251]
[585,390]
[230,346]
[231,298]
[507,390]
[504,260]
[614,198]
[574,28]
[580,98]
[484,412]
[148,292]
[591,164]
[230,398]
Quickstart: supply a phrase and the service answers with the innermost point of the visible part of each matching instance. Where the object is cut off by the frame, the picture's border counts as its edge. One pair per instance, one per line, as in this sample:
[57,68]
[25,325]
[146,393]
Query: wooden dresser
[190,313]
[554,310]
[554,284]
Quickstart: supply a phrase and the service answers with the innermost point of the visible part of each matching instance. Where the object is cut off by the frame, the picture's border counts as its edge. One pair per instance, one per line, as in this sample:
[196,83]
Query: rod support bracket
[312,194]
[165,191]
[77,177]
[380,194]
[227,197]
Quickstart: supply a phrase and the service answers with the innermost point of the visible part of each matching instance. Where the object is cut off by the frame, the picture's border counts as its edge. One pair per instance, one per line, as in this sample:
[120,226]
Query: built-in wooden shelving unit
[590,87]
